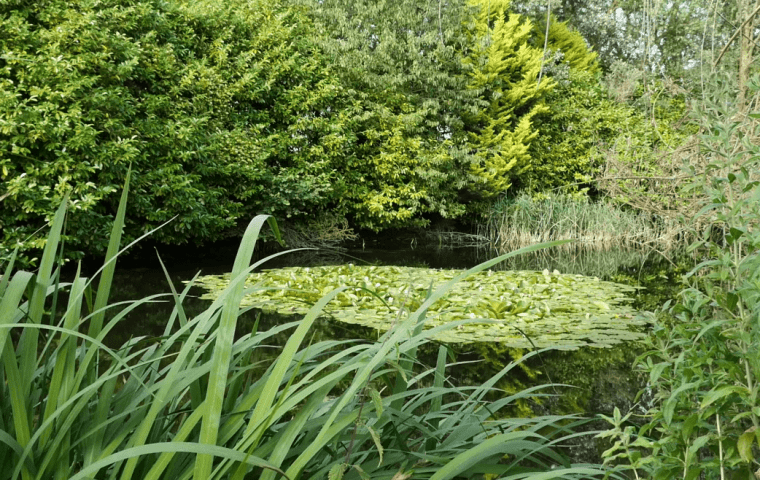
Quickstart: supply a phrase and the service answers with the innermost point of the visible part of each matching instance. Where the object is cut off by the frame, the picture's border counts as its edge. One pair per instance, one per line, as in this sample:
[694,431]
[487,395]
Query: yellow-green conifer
[576,51]
[505,69]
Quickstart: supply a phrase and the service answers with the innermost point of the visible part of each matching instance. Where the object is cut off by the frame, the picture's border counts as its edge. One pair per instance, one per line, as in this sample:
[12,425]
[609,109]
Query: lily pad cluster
[518,308]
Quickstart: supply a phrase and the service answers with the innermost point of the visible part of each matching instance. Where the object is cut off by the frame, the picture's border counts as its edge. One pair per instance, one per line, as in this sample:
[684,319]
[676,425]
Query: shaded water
[140,276]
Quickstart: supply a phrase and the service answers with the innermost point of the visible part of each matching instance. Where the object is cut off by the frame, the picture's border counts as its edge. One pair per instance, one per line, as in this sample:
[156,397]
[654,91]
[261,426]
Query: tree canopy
[223,111]
[387,114]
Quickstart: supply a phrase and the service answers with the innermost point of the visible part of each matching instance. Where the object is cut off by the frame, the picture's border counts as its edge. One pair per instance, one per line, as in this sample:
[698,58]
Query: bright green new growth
[518,309]
[576,52]
[505,71]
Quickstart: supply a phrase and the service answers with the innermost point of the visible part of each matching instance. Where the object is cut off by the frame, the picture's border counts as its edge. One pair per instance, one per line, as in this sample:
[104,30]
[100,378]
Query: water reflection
[604,264]
[625,266]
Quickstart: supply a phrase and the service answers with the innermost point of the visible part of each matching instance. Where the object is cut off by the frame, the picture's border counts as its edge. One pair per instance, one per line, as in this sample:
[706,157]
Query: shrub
[505,70]
[223,111]
[580,120]
[701,405]
[408,91]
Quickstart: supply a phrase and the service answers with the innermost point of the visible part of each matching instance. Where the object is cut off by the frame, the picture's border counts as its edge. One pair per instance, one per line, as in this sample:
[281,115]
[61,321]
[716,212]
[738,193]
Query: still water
[141,275]
[603,378]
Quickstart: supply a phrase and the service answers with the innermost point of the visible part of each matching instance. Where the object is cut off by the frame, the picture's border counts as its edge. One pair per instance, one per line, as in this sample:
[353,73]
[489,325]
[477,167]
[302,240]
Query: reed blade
[109,265]
[28,342]
[223,348]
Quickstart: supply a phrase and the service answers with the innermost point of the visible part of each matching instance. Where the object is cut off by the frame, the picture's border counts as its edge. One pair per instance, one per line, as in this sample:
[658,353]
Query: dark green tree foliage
[581,120]
[223,110]
[401,63]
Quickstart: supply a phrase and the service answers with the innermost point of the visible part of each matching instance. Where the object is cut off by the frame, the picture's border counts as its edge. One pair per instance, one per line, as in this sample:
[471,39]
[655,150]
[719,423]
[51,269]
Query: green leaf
[337,471]
[744,445]
[177,447]
[109,265]
[693,473]
[377,400]
[220,362]
[378,443]
[688,425]
[734,234]
[670,404]
[720,392]
[362,473]
[732,299]
[698,443]
[656,371]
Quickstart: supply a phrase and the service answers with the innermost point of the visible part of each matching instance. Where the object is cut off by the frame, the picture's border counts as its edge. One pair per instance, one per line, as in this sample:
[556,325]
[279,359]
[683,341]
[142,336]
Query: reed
[451,239]
[527,220]
[194,403]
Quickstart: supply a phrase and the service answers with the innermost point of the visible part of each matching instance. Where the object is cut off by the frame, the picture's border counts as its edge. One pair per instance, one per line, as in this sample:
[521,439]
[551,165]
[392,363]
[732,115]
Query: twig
[736,34]
[440,24]
[720,448]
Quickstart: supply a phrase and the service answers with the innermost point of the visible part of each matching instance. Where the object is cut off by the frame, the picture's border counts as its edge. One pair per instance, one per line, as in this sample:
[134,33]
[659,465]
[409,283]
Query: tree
[747,20]
[674,38]
[401,63]
[223,111]
[505,70]
[576,53]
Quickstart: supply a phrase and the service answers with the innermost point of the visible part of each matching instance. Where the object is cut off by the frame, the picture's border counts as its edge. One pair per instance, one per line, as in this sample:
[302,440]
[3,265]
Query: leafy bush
[223,111]
[403,76]
[580,120]
[194,403]
[703,363]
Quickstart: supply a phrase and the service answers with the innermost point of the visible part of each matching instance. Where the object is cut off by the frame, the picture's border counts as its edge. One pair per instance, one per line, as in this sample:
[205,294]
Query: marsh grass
[194,404]
[580,261]
[527,220]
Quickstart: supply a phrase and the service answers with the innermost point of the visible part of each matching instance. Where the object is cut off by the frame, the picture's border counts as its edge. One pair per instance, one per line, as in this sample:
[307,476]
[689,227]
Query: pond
[141,275]
[602,376]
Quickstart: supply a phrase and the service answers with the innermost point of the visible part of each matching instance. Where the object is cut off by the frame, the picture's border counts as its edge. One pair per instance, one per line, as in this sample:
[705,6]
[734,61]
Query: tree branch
[736,34]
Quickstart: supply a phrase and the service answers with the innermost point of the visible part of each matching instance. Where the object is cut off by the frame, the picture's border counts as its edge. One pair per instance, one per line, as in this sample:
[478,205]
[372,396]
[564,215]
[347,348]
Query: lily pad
[516,308]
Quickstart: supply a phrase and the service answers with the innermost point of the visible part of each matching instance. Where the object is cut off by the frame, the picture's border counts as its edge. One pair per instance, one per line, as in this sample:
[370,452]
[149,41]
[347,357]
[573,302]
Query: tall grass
[193,404]
[526,220]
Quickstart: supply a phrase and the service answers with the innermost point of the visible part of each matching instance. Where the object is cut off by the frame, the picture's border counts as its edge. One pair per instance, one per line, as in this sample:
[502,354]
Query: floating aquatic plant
[518,308]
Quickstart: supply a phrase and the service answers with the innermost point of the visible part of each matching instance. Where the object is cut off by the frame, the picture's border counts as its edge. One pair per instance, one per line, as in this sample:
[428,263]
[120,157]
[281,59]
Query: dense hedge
[301,109]
[223,110]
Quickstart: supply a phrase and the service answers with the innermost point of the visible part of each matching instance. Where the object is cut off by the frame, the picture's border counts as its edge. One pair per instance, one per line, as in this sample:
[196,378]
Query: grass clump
[515,222]
[194,404]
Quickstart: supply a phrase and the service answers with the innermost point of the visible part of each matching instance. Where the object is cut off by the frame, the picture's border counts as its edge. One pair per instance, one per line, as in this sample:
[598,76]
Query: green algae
[519,309]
